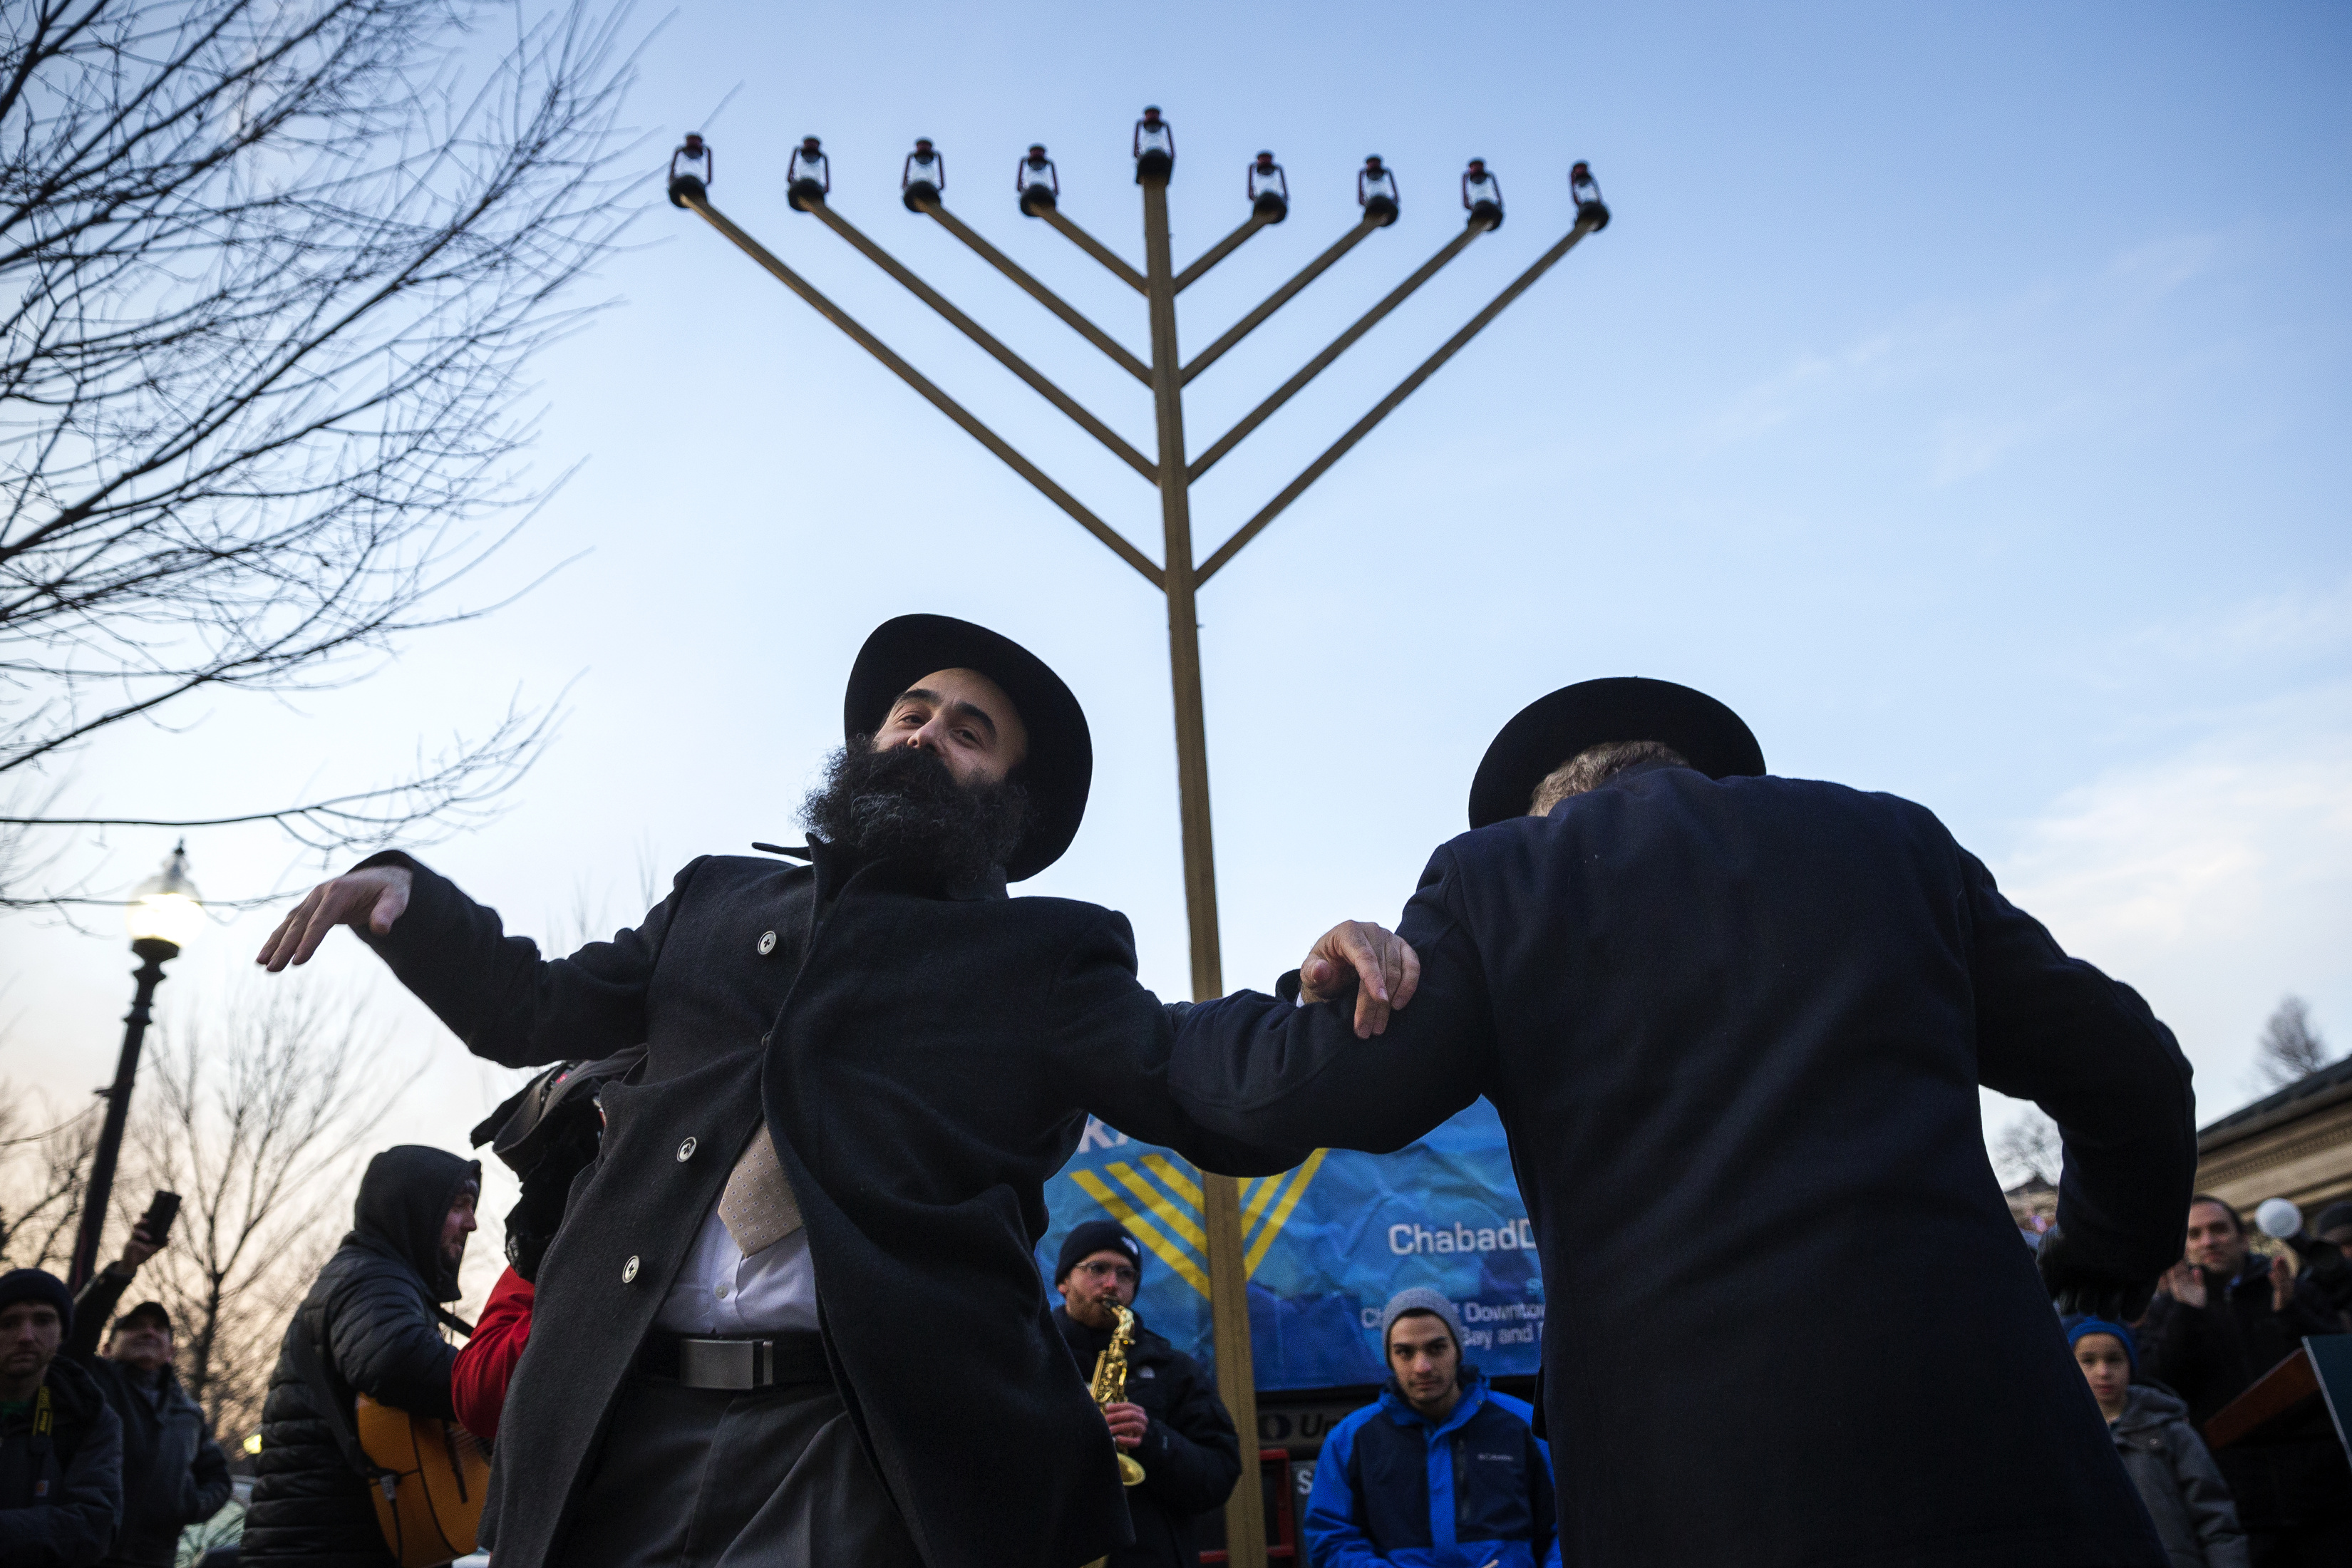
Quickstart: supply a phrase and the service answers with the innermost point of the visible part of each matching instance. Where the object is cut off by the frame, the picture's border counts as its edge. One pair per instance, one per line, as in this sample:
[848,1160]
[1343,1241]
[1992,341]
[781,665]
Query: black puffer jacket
[1189,1454]
[371,1314]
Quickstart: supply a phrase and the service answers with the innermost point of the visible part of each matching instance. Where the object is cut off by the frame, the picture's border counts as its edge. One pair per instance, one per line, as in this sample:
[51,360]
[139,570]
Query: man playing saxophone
[1170,1420]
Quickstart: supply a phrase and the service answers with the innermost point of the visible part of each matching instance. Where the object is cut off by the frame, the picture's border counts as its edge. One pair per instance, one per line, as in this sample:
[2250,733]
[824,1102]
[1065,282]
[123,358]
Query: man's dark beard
[903,805]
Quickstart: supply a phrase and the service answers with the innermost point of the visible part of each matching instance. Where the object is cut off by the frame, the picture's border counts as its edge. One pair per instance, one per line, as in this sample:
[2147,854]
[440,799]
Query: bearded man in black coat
[1735,1026]
[791,1317]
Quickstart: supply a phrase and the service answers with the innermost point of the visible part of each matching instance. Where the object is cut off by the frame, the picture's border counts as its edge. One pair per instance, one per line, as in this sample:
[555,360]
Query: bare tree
[255,1116]
[2030,1147]
[2290,1048]
[270,276]
[43,1169]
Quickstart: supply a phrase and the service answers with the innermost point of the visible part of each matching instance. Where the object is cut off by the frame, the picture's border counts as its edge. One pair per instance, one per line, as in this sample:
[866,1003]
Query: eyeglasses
[1118,1271]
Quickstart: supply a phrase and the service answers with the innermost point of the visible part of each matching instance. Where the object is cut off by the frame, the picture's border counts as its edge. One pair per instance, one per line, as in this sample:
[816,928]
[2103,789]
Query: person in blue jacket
[1443,1472]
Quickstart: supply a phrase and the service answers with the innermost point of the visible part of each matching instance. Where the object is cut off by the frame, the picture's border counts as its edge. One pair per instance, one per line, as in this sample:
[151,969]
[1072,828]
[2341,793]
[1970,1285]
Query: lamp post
[165,914]
[1178,574]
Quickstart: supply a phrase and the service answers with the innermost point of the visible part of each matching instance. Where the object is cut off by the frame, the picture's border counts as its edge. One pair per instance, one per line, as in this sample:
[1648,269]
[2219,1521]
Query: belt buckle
[723,1363]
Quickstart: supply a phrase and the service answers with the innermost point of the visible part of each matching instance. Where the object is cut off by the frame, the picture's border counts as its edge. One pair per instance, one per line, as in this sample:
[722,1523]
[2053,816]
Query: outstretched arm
[1335,1073]
[494,991]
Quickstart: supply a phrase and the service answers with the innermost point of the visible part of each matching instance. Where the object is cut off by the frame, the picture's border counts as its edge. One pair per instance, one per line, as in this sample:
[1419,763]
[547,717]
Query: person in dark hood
[61,1442]
[371,1319]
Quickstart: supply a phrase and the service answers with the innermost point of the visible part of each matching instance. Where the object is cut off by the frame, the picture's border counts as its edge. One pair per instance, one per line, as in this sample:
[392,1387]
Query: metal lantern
[1482,195]
[1035,179]
[1269,190]
[923,177]
[693,161]
[1376,191]
[808,178]
[1155,146]
[1586,189]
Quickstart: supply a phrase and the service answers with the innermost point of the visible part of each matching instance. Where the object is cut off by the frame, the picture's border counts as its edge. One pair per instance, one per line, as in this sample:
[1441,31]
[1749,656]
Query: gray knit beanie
[1418,1298]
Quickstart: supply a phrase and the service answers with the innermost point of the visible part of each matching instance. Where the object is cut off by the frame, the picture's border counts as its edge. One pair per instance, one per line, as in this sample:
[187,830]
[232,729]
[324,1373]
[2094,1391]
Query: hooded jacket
[173,1473]
[60,1491]
[371,1313]
[1394,1487]
[2178,1480]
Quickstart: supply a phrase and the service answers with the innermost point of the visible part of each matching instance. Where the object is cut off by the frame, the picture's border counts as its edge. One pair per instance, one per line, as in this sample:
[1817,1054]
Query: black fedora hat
[1552,729]
[1061,760]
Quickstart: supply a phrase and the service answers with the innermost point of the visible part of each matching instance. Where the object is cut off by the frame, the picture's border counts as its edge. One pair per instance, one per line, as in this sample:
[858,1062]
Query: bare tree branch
[270,277]
[2290,1048]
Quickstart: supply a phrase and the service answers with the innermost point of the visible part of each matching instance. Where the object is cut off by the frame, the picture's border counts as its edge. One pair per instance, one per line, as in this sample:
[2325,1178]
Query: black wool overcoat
[1734,1030]
[926,1059]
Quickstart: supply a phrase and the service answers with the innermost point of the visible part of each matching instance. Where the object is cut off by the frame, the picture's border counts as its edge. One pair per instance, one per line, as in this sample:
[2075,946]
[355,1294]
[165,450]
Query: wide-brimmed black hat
[1061,760]
[1550,730]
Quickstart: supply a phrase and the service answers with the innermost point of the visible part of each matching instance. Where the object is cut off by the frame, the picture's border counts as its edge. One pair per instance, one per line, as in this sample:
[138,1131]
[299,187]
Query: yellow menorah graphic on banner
[1159,1201]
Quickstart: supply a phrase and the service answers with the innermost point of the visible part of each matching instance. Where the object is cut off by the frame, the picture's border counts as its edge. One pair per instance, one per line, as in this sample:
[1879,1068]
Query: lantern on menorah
[923,177]
[1269,190]
[1155,146]
[1376,191]
[1586,191]
[693,161]
[1482,195]
[1036,179]
[808,178]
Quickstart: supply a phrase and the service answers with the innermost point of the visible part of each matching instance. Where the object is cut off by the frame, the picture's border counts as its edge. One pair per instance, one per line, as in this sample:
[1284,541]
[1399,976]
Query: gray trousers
[696,1478]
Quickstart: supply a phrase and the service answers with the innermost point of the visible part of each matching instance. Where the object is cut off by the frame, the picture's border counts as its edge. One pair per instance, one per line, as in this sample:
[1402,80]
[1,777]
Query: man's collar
[837,866]
[1630,772]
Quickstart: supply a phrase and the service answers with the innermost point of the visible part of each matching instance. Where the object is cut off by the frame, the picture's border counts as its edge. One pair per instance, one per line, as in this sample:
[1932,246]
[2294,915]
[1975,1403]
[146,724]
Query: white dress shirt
[722,1293]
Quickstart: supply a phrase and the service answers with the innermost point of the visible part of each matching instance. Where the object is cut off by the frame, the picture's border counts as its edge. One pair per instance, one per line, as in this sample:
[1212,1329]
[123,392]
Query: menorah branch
[1585,225]
[1039,292]
[1095,248]
[979,334]
[1277,299]
[1219,251]
[688,192]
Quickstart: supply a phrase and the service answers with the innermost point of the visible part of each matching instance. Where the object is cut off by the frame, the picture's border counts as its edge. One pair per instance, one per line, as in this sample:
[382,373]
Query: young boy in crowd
[2165,1459]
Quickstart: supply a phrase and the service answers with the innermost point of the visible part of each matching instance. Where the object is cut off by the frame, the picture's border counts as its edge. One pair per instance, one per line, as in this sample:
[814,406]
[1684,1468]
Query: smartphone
[161,1211]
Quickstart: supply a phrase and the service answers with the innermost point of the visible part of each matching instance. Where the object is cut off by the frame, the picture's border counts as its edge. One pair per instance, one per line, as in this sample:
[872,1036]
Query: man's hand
[1380,966]
[2074,1287]
[135,1251]
[374,898]
[2185,1283]
[1127,1424]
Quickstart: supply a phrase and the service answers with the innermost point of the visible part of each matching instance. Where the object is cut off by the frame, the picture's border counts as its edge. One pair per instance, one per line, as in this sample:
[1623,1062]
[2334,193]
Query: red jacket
[477,1382]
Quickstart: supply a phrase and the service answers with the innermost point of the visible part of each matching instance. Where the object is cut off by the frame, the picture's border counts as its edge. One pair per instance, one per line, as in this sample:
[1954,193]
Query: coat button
[629,1271]
[685,1152]
[767,943]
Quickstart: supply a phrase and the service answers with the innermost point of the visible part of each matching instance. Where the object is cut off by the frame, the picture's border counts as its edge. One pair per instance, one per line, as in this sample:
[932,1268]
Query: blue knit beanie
[2077,1327]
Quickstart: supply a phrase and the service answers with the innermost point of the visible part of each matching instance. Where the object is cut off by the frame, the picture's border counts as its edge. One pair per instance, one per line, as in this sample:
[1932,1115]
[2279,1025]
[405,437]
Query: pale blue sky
[1961,397]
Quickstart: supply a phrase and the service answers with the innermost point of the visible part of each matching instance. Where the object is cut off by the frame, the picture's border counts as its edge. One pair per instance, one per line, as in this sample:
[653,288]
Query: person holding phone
[173,1473]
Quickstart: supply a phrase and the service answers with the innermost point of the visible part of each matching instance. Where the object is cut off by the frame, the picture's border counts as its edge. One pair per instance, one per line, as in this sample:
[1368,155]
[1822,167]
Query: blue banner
[1325,1246]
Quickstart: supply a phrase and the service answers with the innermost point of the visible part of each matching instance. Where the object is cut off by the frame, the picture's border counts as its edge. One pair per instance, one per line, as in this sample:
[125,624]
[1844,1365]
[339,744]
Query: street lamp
[165,915]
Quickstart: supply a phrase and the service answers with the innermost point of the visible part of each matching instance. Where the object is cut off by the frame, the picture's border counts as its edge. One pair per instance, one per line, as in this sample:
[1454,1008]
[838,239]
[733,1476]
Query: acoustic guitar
[429,1504]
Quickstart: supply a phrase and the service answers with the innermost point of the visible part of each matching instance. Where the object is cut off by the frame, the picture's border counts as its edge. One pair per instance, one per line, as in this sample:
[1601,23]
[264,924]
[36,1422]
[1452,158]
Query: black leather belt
[796,1357]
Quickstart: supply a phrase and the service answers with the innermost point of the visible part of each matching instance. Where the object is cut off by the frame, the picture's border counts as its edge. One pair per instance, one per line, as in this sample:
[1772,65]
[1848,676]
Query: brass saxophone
[1109,1387]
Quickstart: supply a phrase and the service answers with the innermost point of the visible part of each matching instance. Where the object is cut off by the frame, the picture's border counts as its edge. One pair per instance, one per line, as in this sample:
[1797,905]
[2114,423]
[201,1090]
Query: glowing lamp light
[1269,189]
[1482,195]
[808,178]
[166,907]
[1376,191]
[1035,179]
[923,177]
[1155,146]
